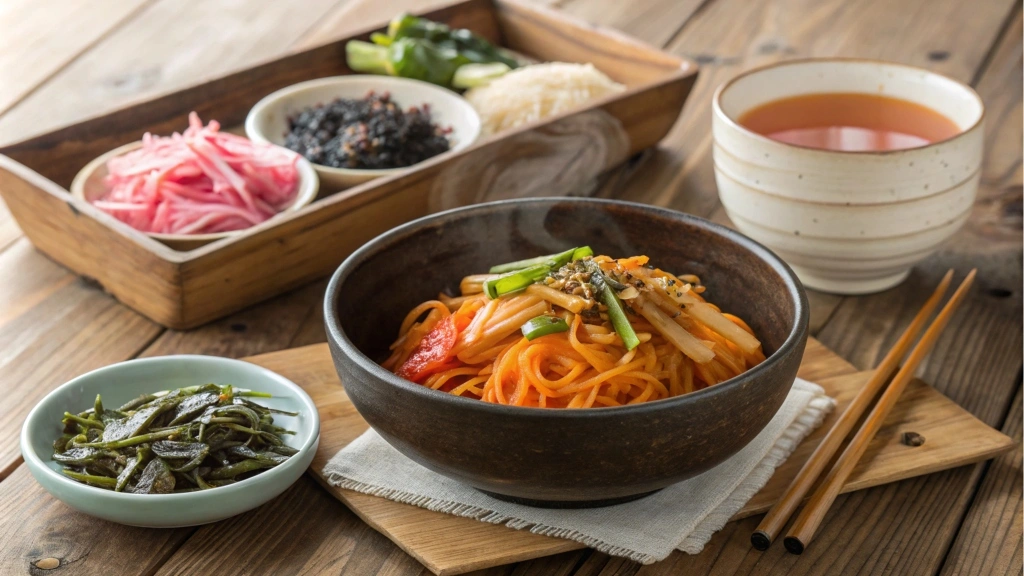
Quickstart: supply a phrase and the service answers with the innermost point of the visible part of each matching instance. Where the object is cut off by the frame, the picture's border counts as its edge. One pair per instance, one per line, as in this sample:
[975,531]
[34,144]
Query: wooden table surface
[63,61]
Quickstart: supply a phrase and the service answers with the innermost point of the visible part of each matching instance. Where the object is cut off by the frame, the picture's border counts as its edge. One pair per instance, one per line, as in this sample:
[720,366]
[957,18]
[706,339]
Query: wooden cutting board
[453,545]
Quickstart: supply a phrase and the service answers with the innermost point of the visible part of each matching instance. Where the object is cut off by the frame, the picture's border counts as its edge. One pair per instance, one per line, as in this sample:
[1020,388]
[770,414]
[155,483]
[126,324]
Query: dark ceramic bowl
[554,457]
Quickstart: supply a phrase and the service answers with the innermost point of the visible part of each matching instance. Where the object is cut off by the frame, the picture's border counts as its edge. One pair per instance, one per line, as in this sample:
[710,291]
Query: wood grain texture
[855,518]
[995,224]
[60,225]
[911,538]
[311,330]
[170,44]
[187,289]
[904,528]
[53,327]
[30,24]
[989,540]
[947,429]
[653,21]
[729,36]
[453,545]
[272,325]
[350,17]
[324,539]
[34,526]
[547,35]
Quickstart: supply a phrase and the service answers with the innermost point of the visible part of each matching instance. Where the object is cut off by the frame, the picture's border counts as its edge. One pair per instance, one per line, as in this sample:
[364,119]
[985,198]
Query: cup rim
[716,105]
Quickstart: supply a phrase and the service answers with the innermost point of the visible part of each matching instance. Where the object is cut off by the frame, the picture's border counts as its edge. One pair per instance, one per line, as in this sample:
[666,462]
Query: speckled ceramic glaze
[547,456]
[119,383]
[847,222]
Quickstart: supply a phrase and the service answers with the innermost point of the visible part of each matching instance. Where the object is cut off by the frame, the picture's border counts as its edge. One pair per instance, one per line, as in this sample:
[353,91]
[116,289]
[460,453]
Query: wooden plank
[398,563]
[171,44]
[653,21]
[729,36]
[35,45]
[549,36]
[188,289]
[726,39]
[53,327]
[322,538]
[226,97]
[340,423]
[921,409]
[989,540]
[349,17]
[270,326]
[58,225]
[311,330]
[143,59]
[453,545]
[905,527]
[308,508]
[34,526]
[995,225]
[839,547]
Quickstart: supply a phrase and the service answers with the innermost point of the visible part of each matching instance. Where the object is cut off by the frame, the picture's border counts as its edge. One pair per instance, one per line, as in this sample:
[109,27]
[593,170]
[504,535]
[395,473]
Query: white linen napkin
[682,516]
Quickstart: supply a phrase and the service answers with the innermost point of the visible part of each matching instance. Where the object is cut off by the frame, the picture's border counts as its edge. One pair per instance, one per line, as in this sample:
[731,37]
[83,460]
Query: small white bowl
[268,119]
[89,185]
[847,222]
[122,382]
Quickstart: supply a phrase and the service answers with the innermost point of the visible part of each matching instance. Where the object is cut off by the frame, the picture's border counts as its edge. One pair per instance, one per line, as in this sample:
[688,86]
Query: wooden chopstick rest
[807,522]
[780,513]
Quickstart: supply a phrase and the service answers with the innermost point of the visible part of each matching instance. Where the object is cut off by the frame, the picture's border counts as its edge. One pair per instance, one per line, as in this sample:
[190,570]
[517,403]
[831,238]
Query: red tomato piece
[431,354]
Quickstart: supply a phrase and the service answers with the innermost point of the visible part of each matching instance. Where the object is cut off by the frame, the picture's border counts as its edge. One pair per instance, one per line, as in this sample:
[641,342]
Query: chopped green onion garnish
[581,252]
[616,313]
[618,317]
[542,326]
[514,281]
[551,260]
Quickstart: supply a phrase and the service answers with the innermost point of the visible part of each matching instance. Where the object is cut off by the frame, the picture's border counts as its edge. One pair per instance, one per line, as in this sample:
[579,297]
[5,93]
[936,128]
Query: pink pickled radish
[198,182]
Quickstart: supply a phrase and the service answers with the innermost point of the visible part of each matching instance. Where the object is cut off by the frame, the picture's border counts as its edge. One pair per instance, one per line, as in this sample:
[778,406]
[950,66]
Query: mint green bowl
[119,383]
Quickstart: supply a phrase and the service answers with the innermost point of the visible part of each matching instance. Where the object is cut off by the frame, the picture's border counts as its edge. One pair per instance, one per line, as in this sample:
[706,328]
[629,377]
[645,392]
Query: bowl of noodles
[566,352]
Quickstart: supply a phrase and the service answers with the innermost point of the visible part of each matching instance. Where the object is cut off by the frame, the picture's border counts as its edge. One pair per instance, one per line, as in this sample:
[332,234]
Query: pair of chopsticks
[806,524]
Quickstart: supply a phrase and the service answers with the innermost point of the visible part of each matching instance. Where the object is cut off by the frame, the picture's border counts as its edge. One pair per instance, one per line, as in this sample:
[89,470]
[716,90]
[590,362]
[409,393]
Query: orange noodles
[472,345]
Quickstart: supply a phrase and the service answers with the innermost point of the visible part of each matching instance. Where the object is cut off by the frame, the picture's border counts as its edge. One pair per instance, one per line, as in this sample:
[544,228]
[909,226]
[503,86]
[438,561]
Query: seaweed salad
[173,441]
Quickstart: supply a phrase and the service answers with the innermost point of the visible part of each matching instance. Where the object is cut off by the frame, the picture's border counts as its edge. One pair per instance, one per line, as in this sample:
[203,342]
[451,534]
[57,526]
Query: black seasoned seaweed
[368,133]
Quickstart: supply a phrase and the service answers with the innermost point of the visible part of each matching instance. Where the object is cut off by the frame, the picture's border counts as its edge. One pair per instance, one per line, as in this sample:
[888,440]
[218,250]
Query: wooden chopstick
[777,517]
[806,524]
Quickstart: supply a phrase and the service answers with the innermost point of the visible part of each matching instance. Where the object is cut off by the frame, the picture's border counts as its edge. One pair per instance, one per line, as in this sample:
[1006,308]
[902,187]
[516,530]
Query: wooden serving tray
[186,289]
[448,544]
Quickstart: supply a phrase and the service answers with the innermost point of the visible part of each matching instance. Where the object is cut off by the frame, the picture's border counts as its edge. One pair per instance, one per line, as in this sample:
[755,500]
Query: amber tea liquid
[849,122]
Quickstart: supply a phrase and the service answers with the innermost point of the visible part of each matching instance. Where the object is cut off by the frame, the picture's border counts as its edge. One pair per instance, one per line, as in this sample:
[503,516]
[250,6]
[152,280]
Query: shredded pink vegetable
[199,182]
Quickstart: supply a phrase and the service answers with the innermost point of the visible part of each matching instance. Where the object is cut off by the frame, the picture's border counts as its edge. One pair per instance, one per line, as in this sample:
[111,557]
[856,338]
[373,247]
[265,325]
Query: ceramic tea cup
[847,222]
